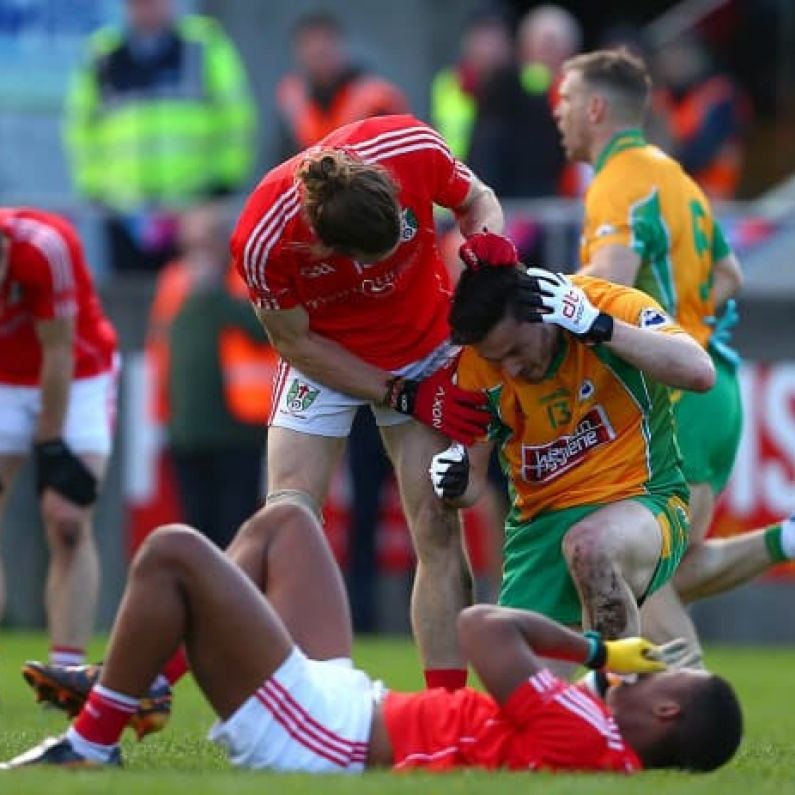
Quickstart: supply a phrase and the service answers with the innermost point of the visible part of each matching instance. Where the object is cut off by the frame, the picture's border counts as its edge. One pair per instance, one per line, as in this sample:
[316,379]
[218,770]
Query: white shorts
[301,404]
[90,416]
[311,716]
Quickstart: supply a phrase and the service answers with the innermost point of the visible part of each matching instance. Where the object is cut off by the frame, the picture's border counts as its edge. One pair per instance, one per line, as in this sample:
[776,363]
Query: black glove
[449,472]
[59,469]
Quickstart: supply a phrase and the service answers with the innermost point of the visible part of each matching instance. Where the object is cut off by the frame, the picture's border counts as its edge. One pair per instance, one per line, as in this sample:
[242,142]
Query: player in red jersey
[57,397]
[280,710]
[338,248]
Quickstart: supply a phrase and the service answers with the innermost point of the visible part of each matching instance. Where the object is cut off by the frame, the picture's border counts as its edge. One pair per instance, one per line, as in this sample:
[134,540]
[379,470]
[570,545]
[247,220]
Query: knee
[436,531]
[65,532]
[170,547]
[274,518]
[583,550]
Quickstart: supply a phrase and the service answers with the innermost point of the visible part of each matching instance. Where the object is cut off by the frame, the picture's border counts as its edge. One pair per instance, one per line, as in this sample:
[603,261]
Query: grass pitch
[181,760]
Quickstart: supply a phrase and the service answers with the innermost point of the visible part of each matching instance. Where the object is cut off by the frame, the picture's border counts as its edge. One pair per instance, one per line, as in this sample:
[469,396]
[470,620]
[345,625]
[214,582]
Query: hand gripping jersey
[642,199]
[389,313]
[596,429]
[48,278]
[546,724]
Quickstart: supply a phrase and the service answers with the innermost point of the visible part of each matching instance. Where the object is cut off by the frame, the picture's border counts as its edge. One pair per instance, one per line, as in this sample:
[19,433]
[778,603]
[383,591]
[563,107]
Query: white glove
[449,471]
[553,298]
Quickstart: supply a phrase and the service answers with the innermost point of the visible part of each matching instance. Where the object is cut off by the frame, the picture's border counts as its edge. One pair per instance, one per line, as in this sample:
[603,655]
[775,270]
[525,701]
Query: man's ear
[666,710]
[597,108]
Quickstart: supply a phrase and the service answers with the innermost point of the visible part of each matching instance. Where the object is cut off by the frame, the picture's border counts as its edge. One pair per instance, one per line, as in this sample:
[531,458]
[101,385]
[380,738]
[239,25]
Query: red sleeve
[48,275]
[451,179]
[259,251]
[565,727]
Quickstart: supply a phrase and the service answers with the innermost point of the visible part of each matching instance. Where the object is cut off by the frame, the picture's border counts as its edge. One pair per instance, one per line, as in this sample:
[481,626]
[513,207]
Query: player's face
[651,689]
[572,118]
[149,16]
[522,350]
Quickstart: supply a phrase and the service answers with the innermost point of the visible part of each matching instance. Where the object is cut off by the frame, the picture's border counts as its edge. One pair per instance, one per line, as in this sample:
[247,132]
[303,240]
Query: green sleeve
[720,246]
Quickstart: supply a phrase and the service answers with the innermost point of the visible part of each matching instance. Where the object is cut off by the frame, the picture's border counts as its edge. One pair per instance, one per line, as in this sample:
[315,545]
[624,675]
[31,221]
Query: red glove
[486,249]
[437,402]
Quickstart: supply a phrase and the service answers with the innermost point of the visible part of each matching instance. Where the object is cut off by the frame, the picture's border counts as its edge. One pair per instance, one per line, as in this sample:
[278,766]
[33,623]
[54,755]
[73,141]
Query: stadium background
[407,42]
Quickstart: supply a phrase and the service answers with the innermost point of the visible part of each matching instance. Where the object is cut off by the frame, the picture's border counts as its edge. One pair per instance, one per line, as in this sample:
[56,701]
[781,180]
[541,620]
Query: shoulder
[474,371]
[626,303]
[199,27]
[629,175]
[264,220]
[104,41]
[399,141]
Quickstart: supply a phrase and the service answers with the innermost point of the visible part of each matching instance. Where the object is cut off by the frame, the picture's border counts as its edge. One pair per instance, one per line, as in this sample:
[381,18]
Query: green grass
[181,760]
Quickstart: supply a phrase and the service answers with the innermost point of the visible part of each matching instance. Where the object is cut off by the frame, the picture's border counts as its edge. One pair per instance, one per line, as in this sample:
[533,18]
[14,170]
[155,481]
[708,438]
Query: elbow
[739,280]
[472,623]
[702,375]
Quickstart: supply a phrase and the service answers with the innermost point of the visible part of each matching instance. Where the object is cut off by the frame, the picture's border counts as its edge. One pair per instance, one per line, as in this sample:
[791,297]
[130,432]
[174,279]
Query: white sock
[63,656]
[160,681]
[93,751]
[788,537]
[342,662]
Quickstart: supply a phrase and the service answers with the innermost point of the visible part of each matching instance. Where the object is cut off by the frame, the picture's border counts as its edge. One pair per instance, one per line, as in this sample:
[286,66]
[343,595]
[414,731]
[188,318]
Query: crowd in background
[161,126]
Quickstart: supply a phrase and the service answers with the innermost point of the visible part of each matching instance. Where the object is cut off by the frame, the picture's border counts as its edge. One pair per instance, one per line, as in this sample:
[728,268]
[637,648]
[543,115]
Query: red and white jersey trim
[267,233]
[580,704]
[55,251]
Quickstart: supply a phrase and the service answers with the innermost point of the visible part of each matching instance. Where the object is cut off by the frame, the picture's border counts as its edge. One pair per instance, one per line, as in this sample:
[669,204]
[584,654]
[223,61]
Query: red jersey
[389,313]
[47,278]
[546,724]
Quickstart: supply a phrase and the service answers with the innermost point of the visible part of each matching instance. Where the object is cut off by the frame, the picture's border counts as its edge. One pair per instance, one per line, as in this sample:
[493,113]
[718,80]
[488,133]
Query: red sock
[448,678]
[176,667]
[104,715]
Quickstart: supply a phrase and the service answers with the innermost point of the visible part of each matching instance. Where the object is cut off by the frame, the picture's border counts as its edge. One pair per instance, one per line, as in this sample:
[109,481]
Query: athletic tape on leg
[297,497]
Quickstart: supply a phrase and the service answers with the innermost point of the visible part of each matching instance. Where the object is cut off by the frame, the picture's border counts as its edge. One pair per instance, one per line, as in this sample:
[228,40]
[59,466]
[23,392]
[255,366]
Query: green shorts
[708,427]
[535,573]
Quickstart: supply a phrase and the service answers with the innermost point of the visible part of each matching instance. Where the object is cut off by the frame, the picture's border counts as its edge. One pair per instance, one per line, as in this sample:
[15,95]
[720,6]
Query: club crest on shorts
[300,396]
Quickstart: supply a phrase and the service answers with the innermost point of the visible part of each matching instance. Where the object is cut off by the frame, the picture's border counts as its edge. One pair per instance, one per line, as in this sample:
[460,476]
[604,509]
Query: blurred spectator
[158,117]
[212,371]
[547,36]
[486,46]
[705,112]
[328,89]
[515,145]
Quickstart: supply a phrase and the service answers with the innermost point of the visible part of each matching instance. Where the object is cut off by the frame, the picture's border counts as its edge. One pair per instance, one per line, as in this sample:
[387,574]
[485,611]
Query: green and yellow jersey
[642,199]
[594,430]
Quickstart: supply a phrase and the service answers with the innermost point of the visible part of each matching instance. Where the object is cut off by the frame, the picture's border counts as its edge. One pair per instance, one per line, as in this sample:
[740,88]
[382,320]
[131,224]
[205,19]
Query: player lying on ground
[280,710]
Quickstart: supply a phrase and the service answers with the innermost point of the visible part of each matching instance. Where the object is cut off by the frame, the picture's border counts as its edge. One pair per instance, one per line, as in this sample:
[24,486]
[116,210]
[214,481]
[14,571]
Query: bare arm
[57,340]
[480,210]
[501,643]
[676,360]
[728,279]
[616,263]
[320,358]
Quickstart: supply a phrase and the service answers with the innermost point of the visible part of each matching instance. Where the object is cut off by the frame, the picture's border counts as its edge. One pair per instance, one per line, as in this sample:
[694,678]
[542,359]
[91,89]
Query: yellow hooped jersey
[594,430]
[642,199]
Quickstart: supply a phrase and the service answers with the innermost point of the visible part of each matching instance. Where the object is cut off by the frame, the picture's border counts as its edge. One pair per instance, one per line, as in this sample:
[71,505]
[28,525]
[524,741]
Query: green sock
[773,543]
